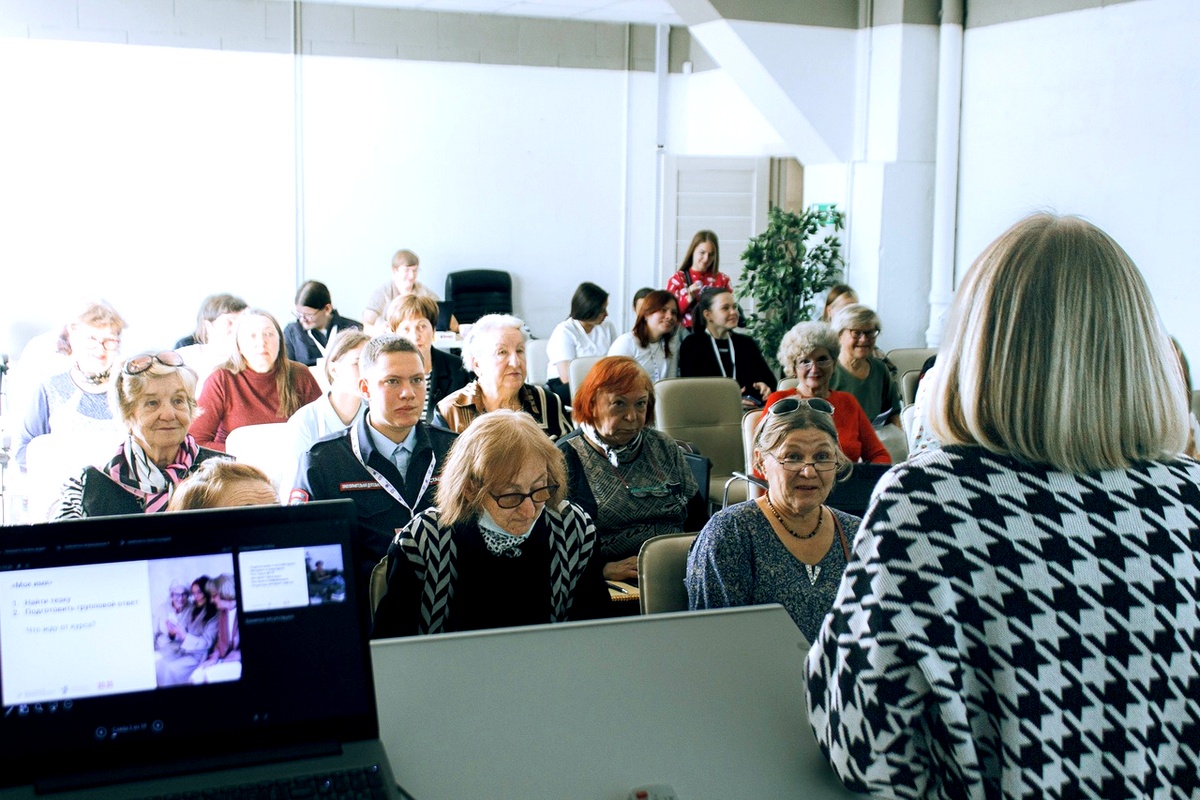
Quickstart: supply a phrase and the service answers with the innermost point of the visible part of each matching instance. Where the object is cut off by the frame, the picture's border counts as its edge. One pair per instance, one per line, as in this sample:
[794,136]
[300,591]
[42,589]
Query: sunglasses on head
[139,364]
[790,405]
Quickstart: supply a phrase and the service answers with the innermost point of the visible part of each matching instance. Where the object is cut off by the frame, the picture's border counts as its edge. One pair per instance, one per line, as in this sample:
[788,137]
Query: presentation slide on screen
[273,579]
[105,629]
[53,616]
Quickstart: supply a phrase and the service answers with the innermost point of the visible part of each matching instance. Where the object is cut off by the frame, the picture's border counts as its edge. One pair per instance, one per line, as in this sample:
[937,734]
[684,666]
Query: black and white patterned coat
[1007,630]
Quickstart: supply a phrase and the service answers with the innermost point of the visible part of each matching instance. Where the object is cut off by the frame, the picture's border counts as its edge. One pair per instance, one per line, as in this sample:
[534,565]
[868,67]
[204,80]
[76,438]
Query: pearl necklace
[817,527]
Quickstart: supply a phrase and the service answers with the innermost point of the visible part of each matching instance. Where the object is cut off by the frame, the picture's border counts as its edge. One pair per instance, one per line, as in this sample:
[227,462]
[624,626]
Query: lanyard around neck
[384,482]
[322,347]
[732,357]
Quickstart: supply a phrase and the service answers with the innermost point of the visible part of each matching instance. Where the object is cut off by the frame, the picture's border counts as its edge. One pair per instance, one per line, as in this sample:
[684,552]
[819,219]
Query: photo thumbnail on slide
[196,634]
[291,577]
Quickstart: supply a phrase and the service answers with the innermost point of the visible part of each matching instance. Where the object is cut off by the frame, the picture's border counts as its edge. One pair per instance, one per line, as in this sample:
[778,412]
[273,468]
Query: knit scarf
[136,474]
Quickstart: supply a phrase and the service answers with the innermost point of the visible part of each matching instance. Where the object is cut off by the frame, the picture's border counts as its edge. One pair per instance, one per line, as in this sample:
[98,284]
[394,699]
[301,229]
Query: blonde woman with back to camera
[1018,617]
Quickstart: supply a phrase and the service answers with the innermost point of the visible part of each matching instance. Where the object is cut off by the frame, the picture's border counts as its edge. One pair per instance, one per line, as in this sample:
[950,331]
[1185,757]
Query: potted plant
[785,267]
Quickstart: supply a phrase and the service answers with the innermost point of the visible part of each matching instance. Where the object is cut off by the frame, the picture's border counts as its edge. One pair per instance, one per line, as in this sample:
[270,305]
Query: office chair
[662,566]
[707,412]
[475,292]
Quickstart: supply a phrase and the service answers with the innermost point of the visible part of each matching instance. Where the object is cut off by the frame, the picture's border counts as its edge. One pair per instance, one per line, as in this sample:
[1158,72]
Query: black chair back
[475,292]
[854,494]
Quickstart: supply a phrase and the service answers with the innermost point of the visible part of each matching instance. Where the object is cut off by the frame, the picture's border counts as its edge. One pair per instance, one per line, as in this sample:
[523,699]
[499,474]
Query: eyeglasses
[659,490]
[857,334]
[305,316]
[139,364]
[514,499]
[823,362]
[109,343]
[790,405]
[792,464]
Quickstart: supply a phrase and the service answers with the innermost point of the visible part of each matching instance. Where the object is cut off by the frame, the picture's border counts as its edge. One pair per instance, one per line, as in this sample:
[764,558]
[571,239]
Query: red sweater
[230,401]
[856,436]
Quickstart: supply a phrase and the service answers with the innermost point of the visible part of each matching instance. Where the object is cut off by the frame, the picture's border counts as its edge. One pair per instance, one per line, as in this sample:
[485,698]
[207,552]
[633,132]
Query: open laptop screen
[143,642]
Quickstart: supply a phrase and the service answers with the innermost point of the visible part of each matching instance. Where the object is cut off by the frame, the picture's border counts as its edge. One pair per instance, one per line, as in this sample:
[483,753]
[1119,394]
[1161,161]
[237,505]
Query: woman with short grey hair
[859,371]
[494,349]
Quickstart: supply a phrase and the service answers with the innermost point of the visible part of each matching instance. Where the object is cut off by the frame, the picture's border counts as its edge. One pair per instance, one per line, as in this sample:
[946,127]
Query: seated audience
[502,547]
[858,371]
[405,266]
[190,640]
[342,404]
[632,480]
[654,341]
[715,350]
[77,399]
[787,546]
[317,322]
[224,483]
[257,385]
[1019,617]
[414,317]
[698,271]
[809,352]
[224,661]
[584,333]
[389,461]
[494,349]
[215,339]
[155,397]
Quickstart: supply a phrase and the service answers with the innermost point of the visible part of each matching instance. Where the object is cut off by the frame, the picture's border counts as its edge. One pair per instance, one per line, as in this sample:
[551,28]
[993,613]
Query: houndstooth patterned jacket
[1007,630]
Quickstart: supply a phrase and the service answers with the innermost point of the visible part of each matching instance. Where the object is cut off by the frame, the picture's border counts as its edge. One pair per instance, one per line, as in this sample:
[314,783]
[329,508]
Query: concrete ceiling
[651,12]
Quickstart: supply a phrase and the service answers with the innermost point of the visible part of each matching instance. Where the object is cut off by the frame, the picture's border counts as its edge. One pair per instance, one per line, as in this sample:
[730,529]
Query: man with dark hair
[389,461]
[317,322]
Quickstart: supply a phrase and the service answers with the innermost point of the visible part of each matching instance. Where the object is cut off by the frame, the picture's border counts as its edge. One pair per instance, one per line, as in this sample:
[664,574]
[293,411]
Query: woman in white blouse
[654,340]
[585,333]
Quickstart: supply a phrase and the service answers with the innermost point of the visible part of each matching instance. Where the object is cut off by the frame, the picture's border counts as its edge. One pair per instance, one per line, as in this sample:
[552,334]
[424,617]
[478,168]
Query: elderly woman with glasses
[154,394]
[787,546]
[502,547]
[76,400]
[632,480]
[809,353]
[859,371]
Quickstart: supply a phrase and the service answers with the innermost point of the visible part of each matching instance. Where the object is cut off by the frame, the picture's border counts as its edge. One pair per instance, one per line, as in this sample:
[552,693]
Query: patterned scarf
[615,455]
[431,553]
[136,474]
[499,541]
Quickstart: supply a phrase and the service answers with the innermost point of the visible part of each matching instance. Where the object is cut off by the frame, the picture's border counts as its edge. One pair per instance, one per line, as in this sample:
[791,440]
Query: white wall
[1092,113]
[148,176]
[154,176]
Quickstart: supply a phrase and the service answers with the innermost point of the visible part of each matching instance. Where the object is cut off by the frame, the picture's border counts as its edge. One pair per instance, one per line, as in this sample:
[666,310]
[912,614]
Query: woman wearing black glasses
[502,547]
[787,546]
[154,394]
[632,480]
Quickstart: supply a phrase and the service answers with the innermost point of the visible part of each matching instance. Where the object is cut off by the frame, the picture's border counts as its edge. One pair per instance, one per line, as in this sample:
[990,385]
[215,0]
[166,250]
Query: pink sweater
[230,401]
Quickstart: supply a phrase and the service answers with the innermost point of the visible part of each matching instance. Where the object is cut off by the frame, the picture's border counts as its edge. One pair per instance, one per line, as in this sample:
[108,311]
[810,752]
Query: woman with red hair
[654,341]
[632,480]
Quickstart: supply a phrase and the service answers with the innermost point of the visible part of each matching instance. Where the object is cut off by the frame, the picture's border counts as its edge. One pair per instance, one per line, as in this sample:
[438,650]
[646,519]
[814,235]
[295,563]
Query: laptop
[149,655]
[708,703]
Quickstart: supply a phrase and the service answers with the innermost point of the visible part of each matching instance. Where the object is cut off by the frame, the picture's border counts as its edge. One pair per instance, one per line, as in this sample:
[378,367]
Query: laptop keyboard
[364,784]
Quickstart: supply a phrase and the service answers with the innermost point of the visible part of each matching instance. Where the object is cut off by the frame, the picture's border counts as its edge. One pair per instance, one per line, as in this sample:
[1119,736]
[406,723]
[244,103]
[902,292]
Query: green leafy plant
[785,267]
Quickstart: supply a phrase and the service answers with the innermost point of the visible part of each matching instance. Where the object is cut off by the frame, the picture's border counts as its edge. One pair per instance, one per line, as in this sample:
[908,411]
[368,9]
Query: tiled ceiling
[651,12]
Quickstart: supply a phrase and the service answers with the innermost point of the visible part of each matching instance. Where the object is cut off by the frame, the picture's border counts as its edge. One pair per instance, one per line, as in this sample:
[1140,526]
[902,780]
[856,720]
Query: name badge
[358,486]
